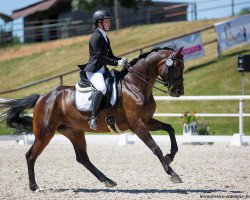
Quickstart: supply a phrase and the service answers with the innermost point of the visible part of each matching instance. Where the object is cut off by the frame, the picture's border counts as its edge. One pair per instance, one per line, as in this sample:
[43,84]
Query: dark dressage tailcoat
[100,53]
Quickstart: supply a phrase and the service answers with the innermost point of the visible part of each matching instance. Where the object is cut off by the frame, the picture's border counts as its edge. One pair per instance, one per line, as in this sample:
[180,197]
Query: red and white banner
[193,47]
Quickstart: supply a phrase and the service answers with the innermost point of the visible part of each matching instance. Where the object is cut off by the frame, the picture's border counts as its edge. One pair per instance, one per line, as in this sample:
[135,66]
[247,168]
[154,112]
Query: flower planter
[190,129]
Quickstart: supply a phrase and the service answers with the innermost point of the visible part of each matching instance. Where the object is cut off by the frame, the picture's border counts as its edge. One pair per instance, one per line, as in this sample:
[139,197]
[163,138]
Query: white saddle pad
[82,98]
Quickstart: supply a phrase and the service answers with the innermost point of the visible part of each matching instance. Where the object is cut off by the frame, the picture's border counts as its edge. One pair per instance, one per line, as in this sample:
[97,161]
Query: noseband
[170,81]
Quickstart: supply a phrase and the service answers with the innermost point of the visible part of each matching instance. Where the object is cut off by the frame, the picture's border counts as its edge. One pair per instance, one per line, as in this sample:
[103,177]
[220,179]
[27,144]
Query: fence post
[241,124]
[195,11]
[61,80]
[237,137]
[241,105]
[232,7]
[218,49]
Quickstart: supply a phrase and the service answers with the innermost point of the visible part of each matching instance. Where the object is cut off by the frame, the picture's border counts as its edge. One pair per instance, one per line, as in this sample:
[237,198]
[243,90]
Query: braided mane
[124,71]
[144,55]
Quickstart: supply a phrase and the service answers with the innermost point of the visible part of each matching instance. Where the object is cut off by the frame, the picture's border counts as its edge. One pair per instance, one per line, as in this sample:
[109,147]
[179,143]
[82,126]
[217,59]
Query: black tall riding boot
[96,100]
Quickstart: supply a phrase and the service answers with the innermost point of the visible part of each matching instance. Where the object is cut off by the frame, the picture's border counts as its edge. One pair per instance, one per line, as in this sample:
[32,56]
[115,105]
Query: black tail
[13,116]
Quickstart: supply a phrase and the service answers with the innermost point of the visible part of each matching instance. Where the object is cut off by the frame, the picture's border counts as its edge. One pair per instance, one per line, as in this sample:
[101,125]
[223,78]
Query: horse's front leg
[155,125]
[141,130]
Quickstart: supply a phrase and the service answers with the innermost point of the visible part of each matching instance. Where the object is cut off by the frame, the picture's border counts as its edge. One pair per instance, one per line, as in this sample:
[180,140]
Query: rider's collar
[103,34]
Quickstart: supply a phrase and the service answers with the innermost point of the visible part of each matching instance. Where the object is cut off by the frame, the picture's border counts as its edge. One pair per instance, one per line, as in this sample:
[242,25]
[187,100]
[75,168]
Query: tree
[244,11]
[91,4]
[114,4]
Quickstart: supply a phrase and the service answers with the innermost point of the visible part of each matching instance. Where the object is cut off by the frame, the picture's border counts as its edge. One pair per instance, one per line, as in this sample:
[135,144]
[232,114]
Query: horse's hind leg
[36,149]
[155,125]
[78,140]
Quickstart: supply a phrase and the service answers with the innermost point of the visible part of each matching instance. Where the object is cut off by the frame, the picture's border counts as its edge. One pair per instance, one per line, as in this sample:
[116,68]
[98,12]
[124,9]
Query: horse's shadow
[147,191]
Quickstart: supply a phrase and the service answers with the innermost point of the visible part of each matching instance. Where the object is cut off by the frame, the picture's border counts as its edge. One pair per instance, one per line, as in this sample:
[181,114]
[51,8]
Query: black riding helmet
[100,15]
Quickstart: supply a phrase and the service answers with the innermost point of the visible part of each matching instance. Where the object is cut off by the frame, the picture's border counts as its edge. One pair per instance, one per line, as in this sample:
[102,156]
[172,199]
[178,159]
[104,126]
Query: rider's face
[106,24]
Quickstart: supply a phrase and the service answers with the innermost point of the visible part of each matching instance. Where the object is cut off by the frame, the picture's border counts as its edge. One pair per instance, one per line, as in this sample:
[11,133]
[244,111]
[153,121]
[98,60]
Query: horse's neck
[148,68]
[141,77]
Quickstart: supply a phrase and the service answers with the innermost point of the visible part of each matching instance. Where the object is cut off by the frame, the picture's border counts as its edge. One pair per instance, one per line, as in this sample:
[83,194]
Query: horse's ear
[179,51]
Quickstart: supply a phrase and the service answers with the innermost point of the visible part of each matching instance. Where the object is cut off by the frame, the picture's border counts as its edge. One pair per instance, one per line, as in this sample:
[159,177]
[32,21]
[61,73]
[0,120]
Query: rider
[101,55]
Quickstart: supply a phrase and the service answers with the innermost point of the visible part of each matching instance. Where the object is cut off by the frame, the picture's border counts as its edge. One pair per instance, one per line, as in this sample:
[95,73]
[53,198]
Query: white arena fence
[23,139]
[239,98]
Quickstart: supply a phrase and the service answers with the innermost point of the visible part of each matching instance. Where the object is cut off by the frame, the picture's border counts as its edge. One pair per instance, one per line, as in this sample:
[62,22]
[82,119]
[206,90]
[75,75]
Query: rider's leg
[98,82]
[96,100]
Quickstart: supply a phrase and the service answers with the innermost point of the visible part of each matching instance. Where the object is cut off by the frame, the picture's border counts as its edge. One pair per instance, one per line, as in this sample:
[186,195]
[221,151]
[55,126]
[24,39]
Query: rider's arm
[98,49]
[112,55]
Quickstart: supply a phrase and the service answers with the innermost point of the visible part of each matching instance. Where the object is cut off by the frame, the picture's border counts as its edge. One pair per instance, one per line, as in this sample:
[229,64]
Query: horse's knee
[169,129]
[28,156]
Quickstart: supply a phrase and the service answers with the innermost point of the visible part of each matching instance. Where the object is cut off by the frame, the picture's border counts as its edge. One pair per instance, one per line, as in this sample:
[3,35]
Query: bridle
[170,80]
[168,72]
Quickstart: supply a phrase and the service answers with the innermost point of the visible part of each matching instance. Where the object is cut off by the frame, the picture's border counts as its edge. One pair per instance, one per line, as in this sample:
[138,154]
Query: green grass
[204,76]
[4,130]
[54,61]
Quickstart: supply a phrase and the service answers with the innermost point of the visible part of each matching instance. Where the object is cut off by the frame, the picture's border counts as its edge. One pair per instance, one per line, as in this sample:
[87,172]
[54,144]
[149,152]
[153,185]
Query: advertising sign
[193,47]
[233,32]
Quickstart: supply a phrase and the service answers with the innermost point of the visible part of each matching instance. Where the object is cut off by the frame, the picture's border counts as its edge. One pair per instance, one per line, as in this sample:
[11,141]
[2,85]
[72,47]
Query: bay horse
[56,111]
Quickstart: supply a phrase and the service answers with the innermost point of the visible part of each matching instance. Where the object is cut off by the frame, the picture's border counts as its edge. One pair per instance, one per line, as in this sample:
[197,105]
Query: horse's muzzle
[176,93]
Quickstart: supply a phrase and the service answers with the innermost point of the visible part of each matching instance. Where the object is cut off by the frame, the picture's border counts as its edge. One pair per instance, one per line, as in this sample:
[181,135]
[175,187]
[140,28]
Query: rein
[169,84]
[137,74]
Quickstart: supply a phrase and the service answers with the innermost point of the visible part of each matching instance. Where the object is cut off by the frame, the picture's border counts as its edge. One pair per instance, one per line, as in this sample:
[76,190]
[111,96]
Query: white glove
[122,62]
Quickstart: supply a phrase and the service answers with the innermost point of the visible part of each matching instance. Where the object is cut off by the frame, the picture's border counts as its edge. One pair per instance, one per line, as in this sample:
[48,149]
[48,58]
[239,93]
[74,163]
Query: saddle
[84,90]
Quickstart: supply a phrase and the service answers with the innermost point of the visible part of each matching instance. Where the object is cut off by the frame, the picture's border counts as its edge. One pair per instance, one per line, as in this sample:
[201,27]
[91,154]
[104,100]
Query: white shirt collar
[103,34]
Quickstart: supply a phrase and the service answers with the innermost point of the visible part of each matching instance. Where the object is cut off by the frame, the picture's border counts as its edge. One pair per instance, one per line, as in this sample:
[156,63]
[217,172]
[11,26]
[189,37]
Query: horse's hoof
[110,183]
[167,159]
[39,190]
[34,188]
[176,179]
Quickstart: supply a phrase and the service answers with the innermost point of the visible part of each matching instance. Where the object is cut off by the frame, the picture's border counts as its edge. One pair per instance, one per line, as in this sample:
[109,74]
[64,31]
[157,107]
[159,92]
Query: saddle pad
[82,101]
[84,104]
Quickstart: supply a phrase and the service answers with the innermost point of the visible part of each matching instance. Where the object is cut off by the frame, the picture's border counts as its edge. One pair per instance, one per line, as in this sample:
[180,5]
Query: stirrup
[93,123]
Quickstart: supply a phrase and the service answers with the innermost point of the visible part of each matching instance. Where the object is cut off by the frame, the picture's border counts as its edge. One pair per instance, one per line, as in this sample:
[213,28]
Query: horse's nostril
[179,92]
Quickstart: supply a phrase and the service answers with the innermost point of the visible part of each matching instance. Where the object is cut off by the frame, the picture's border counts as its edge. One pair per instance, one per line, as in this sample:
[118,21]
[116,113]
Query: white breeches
[97,80]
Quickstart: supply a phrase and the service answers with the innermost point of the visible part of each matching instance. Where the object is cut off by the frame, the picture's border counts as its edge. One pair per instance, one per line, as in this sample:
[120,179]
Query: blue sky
[7,6]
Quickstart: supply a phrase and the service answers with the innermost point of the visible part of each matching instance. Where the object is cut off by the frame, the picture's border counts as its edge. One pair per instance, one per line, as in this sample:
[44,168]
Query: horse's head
[170,70]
